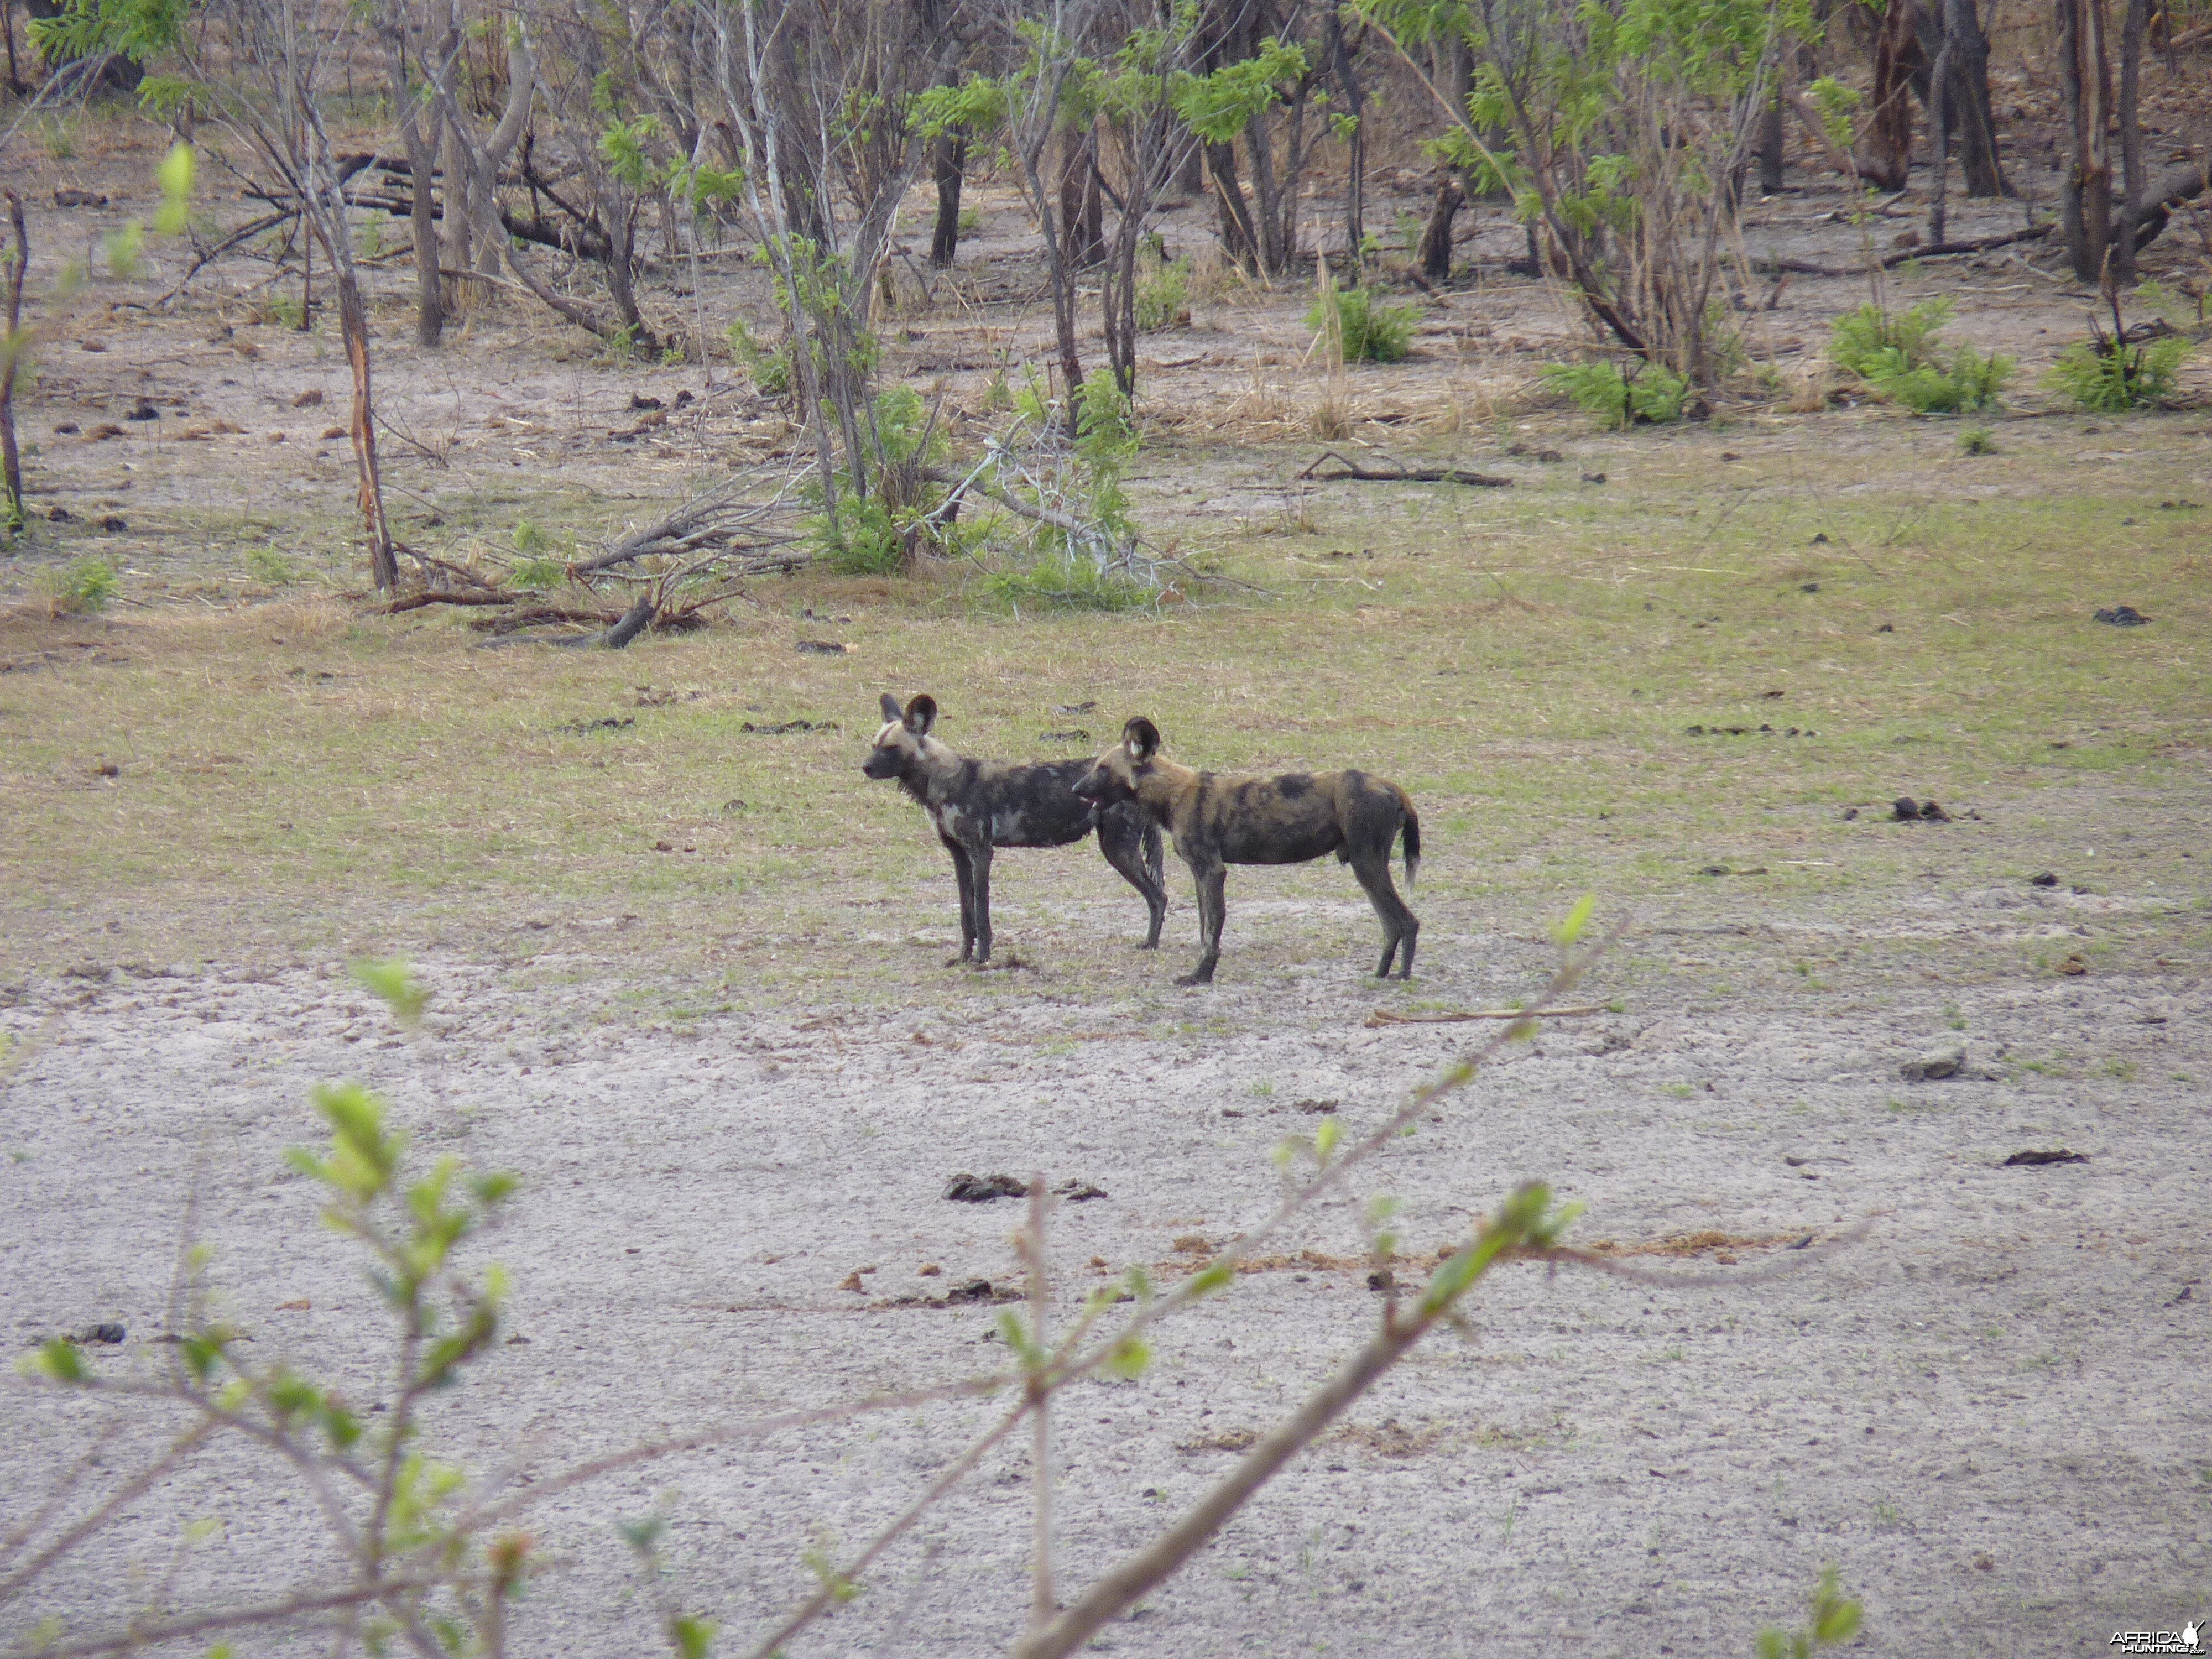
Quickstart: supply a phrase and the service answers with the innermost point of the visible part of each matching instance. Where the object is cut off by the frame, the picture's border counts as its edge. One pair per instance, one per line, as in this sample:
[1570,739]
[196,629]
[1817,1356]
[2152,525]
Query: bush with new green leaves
[1968,386]
[1371,330]
[1835,1621]
[1653,394]
[1859,338]
[2107,378]
[85,586]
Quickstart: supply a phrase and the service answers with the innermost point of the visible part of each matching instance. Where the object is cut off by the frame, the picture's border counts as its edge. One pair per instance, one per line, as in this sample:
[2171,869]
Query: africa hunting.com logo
[2187,1640]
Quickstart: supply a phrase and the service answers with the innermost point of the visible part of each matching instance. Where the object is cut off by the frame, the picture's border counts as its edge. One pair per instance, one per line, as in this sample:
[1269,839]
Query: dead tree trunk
[2086,194]
[1082,210]
[1355,100]
[1968,100]
[1771,153]
[421,148]
[1436,235]
[1239,240]
[12,512]
[948,158]
[1889,158]
[2131,145]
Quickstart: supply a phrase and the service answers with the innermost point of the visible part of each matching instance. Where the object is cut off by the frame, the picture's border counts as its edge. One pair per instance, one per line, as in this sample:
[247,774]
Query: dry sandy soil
[1989,1412]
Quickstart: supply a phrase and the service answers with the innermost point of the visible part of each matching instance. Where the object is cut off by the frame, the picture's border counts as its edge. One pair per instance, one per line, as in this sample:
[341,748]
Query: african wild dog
[1220,821]
[979,804]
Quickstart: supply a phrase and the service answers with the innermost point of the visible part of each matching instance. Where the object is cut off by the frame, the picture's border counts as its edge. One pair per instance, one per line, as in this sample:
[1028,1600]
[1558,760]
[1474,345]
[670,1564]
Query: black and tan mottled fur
[1217,821]
[977,805]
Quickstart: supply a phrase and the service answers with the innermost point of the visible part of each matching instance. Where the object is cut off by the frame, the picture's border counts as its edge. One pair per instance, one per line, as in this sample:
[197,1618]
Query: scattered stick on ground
[1384,1016]
[1358,474]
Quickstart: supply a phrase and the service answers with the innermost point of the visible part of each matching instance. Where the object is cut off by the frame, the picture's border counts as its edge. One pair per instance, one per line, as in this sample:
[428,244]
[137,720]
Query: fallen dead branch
[1382,1017]
[1354,472]
[1905,256]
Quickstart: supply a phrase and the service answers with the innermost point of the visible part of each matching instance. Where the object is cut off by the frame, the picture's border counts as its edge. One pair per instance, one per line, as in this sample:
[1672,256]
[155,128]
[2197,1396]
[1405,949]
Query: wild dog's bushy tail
[1413,839]
[1155,855]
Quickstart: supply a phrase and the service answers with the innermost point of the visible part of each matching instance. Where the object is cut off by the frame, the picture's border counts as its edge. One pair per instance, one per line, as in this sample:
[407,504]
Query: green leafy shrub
[878,536]
[2108,378]
[1859,338]
[1371,330]
[1163,299]
[1835,1621]
[1978,440]
[270,565]
[86,586]
[537,573]
[1655,394]
[768,368]
[1970,385]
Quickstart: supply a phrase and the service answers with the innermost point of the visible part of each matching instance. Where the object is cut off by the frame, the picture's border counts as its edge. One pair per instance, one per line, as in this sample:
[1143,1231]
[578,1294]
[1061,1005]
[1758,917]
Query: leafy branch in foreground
[432,1557]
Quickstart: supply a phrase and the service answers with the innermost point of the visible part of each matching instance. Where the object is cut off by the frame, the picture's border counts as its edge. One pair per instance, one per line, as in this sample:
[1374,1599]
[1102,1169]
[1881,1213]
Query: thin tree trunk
[1772,155]
[1239,239]
[1437,237]
[1889,139]
[12,513]
[2131,145]
[949,156]
[2086,79]
[1972,112]
[1081,212]
[1939,125]
[422,160]
[1355,166]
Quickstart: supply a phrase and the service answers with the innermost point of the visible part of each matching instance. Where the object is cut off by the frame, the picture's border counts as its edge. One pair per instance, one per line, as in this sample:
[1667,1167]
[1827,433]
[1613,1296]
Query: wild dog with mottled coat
[1218,821]
[977,805]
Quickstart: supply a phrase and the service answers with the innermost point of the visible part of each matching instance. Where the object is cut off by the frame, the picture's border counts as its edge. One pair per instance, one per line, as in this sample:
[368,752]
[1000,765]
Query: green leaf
[1325,1138]
[405,994]
[174,175]
[1130,1358]
[1211,1280]
[642,1536]
[693,1637]
[59,1359]
[1577,920]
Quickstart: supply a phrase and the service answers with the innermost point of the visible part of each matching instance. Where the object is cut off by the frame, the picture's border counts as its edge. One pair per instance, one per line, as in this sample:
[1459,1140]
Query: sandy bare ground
[1991,1412]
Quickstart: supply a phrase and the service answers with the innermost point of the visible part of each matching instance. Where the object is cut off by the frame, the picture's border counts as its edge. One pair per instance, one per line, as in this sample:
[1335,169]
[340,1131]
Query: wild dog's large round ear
[1141,738]
[922,714]
[891,708]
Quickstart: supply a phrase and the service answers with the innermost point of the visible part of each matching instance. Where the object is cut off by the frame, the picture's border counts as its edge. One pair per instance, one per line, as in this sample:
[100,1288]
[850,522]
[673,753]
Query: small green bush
[86,586]
[1969,386]
[270,565]
[537,573]
[1162,298]
[1978,440]
[1372,330]
[1655,394]
[1859,338]
[768,368]
[2109,378]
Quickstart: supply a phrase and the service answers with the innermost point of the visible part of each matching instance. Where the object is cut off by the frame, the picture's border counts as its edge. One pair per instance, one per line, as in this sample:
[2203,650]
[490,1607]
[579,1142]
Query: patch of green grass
[82,587]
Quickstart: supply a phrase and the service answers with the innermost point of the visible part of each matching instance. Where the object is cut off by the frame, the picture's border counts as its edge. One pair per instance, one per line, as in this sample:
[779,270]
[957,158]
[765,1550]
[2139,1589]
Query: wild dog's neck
[1161,783]
[929,760]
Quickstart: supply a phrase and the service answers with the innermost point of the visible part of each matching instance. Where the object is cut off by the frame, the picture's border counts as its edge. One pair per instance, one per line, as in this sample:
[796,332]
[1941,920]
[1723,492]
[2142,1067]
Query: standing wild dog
[1220,821]
[979,804]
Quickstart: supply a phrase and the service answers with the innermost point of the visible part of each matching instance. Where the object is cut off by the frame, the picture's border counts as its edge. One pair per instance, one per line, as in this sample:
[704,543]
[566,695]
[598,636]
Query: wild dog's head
[1114,778]
[898,745]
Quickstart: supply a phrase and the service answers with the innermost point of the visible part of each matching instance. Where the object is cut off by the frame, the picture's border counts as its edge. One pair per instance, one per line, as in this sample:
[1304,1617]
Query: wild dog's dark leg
[1212,881]
[980,856]
[964,874]
[1122,839]
[1399,929]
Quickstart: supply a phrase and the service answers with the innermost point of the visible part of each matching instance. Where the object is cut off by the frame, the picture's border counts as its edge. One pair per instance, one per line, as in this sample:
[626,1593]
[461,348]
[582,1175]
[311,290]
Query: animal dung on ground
[1315,1105]
[1079,1192]
[311,398]
[2074,966]
[778,728]
[1905,810]
[1074,707]
[2046,879]
[823,648]
[2123,615]
[2034,1157]
[1943,1062]
[581,728]
[1074,734]
[103,1333]
[967,1189]
[1747,731]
